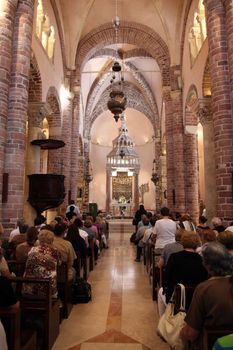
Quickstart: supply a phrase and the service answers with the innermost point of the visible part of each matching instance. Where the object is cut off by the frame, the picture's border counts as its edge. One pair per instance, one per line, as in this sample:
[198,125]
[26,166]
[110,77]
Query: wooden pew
[16,267]
[189,290]
[17,339]
[64,287]
[39,310]
[156,276]
[91,255]
[211,335]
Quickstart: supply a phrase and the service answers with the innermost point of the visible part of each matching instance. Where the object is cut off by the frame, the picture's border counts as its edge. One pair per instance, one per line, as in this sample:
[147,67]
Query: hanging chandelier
[117,100]
[154,175]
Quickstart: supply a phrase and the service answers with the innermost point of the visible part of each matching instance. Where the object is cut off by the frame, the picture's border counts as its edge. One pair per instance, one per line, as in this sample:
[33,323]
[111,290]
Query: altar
[122,209]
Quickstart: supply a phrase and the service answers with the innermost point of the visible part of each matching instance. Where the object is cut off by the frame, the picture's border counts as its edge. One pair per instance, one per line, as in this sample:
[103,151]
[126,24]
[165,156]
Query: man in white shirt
[16,231]
[76,209]
[165,230]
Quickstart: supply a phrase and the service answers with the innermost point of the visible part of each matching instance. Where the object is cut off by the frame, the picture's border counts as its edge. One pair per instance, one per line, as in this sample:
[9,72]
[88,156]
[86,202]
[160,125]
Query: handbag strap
[182,296]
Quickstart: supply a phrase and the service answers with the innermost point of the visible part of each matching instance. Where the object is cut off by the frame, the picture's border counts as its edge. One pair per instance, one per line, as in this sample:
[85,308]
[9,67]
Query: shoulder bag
[170,324]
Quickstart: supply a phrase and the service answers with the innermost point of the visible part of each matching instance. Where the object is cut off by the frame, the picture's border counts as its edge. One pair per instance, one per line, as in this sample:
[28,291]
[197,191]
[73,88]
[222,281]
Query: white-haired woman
[42,263]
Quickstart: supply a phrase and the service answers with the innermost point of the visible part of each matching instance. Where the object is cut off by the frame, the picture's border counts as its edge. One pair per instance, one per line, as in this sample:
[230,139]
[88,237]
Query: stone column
[204,112]
[7,15]
[221,106]
[178,152]
[136,191]
[169,145]
[17,116]
[108,190]
[37,111]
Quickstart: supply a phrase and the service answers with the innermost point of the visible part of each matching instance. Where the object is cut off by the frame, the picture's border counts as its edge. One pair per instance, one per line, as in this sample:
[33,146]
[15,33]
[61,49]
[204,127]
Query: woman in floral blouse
[42,263]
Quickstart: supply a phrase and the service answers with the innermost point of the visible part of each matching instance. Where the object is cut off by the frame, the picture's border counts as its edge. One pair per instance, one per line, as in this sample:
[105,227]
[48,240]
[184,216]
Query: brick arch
[131,33]
[52,99]
[206,83]
[35,82]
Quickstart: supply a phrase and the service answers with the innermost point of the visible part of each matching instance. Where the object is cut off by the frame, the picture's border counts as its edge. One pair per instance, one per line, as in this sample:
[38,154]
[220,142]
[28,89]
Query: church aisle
[121,314]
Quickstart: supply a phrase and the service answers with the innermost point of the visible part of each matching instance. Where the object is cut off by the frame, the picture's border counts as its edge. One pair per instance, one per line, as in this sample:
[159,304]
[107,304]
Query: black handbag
[81,291]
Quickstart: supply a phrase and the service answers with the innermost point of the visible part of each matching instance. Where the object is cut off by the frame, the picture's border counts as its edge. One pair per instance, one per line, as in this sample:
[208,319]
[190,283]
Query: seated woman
[23,249]
[211,306]
[183,267]
[77,241]
[42,263]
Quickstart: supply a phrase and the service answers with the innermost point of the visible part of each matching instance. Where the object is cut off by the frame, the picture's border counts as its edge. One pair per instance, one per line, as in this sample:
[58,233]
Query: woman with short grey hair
[216,259]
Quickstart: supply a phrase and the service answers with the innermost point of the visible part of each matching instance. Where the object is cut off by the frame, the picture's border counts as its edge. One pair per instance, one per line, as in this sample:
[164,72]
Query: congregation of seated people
[41,249]
[200,256]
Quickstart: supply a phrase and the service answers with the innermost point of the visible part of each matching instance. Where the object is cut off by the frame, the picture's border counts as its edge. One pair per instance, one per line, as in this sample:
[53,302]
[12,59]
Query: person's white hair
[216,221]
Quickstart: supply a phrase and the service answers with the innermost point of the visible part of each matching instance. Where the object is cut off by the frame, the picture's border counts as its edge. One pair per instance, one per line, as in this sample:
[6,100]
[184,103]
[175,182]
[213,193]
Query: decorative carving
[203,109]
[37,111]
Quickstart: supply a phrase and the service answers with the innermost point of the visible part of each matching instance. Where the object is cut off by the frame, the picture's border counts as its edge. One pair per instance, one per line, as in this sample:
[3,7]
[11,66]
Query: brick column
[17,107]
[66,151]
[7,15]
[169,145]
[191,170]
[221,106]
[228,5]
[74,149]
[178,152]
[86,152]
[204,112]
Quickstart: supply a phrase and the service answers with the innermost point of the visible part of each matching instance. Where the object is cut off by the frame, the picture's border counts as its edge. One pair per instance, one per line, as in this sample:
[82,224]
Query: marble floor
[121,315]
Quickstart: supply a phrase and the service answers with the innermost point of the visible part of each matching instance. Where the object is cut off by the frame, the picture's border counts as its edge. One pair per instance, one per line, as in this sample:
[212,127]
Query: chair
[64,287]
[40,313]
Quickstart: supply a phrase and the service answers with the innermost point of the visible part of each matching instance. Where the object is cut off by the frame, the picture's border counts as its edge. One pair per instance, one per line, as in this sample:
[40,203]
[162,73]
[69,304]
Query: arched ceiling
[82,16]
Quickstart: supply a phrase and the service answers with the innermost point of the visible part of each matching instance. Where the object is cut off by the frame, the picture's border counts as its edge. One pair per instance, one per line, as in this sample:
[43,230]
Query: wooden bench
[39,311]
[16,267]
[91,255]
[211,335]
[156,276]
[64,287]
[17,339]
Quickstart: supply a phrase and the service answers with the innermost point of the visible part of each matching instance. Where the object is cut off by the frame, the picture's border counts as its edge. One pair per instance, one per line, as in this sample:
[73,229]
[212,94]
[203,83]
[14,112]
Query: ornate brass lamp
[154,175]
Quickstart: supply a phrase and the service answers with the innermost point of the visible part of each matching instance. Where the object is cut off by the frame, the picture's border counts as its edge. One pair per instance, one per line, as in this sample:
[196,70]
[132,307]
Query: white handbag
[170,324]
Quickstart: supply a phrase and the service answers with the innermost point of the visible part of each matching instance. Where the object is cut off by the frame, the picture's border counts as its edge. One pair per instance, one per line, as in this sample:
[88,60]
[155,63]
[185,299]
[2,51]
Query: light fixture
[117,100]
[154,175]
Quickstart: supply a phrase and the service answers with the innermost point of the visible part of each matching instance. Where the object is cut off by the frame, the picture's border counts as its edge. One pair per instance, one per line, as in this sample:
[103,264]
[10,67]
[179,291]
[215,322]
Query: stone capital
[37,111]
[203,108]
